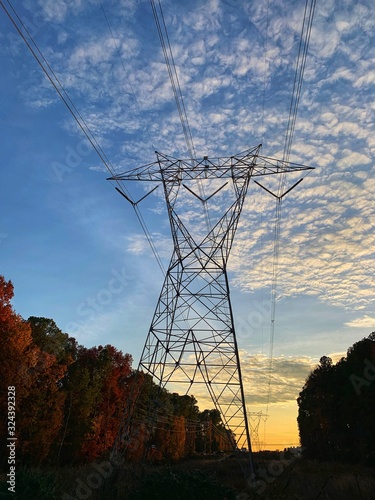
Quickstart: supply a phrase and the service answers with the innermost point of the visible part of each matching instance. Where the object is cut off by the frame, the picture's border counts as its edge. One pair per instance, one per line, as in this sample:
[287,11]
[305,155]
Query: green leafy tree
[48,336]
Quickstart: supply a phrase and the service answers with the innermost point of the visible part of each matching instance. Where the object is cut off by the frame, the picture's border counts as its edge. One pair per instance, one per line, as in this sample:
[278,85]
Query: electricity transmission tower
[192,340]
[254,421]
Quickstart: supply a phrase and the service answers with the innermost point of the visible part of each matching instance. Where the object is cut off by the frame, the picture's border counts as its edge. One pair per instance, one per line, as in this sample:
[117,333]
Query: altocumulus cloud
[364,322]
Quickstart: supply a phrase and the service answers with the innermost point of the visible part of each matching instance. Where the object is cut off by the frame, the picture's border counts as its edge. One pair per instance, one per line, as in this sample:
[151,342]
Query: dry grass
[311,480]
[203,478]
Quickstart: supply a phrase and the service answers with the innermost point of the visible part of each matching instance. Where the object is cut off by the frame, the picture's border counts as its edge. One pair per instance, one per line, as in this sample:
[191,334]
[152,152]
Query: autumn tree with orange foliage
[35,374]
[44,404]
[17,353]
[70,400]
[96,387]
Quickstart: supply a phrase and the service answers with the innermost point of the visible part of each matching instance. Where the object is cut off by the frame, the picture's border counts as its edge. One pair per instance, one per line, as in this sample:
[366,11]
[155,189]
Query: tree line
[70,399]
[337,407]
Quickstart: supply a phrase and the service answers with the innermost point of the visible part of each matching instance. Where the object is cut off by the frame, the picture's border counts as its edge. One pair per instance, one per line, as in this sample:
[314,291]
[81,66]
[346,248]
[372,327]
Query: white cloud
[364,322]
[365,80]
[237,93]
[56,10]
[139,245]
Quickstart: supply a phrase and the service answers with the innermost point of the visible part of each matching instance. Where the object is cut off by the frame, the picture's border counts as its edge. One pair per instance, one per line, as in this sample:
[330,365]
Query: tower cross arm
[268,166]
[246,164]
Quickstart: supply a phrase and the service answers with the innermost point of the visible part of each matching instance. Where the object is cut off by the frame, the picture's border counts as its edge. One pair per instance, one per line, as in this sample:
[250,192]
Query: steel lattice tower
[192,336]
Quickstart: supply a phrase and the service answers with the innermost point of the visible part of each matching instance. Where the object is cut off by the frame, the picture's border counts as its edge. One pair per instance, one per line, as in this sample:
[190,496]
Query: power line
[296,95]
[135,206]
[54,80]
[173,76]
[265,72]
[122,62]
[59,88]
[175,82]
[299,73]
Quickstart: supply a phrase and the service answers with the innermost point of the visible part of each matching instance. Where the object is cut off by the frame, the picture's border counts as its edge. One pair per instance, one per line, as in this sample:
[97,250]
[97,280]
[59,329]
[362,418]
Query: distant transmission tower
[255,419]
[192,338]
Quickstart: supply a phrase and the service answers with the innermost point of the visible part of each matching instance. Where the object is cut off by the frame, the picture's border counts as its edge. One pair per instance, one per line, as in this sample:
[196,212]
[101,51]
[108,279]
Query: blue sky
[74,248]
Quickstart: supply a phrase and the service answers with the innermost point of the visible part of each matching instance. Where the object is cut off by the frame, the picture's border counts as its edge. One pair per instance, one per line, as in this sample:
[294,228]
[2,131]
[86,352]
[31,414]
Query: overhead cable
[296,95]
[56,83]
[299,74]
[175,82]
